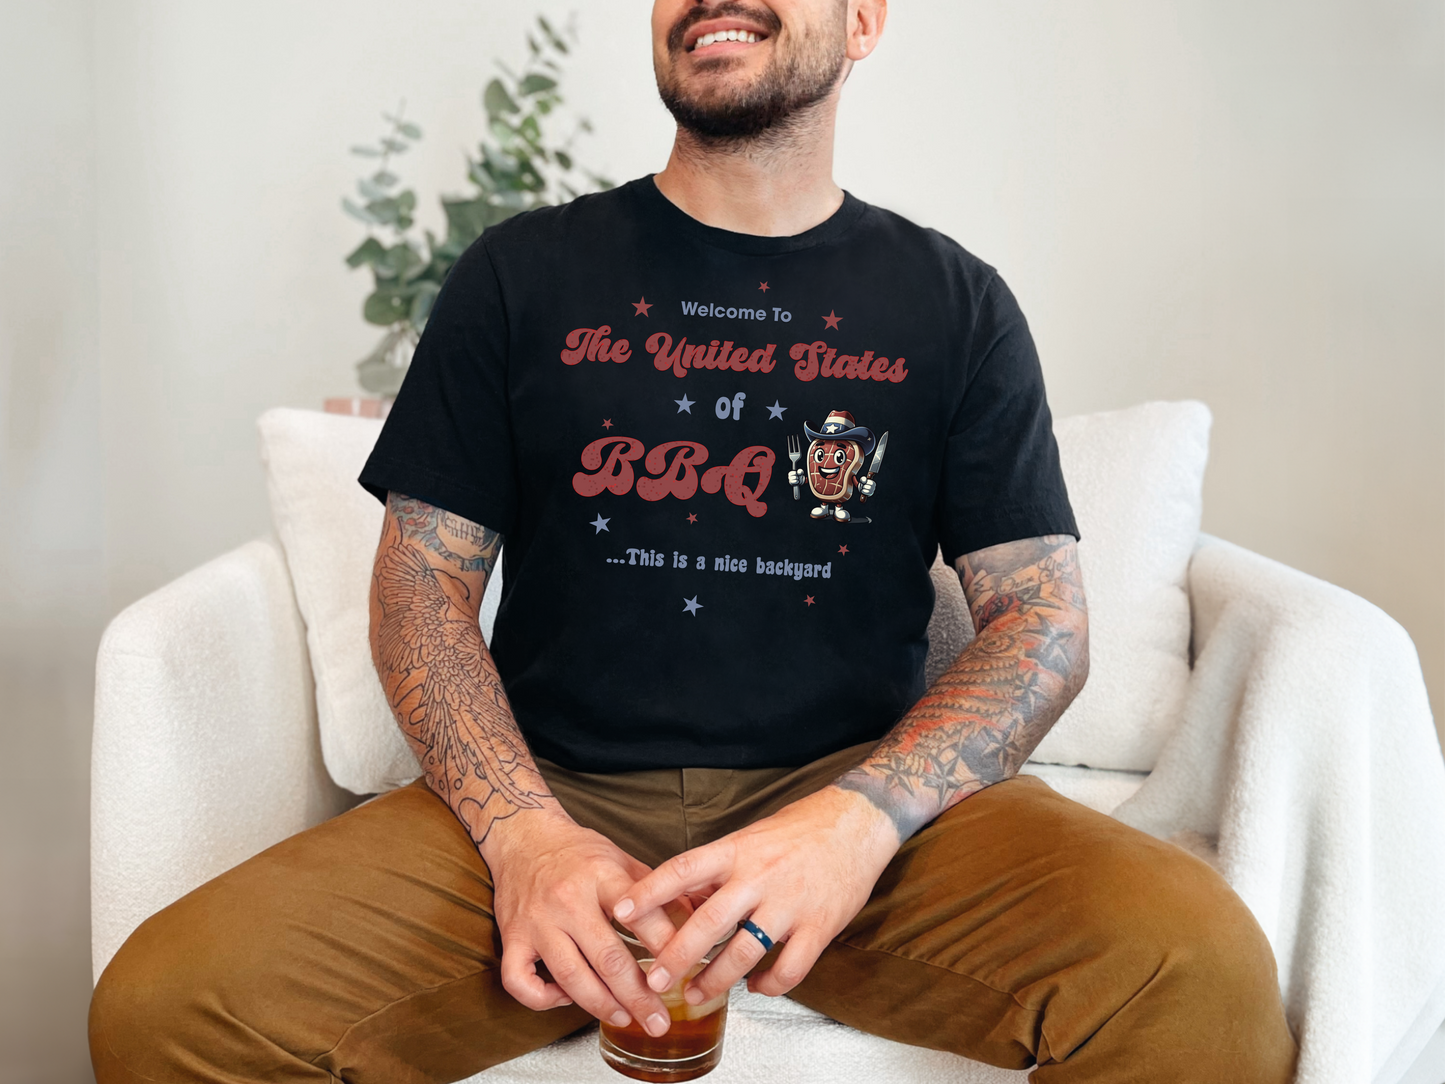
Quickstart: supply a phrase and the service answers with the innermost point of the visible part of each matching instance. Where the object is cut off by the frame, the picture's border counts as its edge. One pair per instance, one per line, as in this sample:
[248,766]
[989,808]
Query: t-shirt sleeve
[448,438]
[1001,476]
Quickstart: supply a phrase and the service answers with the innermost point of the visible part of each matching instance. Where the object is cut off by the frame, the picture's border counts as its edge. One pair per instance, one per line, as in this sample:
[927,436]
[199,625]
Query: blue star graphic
[776,411]
[684,403]
[600,524]
[691,605]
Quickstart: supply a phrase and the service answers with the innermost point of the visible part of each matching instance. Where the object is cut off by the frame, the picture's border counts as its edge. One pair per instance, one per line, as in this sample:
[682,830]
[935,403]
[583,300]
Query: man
[704,701]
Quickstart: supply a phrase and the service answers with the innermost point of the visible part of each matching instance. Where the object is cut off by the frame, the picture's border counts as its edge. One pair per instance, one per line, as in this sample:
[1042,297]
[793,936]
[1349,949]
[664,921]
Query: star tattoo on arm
[430,571]
[980,721]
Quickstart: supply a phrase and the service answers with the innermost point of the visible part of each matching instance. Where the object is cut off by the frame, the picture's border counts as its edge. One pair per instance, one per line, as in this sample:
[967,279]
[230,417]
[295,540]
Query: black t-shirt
[617,388]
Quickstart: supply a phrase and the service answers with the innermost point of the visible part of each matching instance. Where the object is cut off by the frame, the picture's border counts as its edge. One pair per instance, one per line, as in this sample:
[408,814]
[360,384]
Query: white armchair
[1303,763]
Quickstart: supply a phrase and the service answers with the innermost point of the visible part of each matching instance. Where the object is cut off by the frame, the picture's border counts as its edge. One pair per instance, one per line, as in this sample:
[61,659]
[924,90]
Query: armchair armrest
[205,748]
[1306,747]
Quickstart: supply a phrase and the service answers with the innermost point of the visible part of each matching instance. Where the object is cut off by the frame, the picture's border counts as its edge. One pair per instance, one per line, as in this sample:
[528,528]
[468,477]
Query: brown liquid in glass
[689,1036]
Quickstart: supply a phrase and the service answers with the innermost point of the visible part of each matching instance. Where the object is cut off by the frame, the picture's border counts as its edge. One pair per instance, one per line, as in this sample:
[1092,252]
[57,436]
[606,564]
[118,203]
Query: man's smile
[721,37]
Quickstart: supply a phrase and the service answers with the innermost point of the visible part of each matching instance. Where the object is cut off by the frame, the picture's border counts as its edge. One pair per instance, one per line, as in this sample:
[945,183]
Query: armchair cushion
[329,527]
[1136,481]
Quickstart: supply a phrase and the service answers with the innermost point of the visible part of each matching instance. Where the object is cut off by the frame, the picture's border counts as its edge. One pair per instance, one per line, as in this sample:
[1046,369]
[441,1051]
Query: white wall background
[1239,202]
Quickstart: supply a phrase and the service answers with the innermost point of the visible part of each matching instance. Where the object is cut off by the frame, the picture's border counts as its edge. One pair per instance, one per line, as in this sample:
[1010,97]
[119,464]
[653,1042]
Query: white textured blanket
[1308,753]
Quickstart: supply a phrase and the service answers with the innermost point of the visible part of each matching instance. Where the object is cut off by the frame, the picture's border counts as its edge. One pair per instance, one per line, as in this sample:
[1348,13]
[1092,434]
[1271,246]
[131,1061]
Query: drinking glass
[692,1046]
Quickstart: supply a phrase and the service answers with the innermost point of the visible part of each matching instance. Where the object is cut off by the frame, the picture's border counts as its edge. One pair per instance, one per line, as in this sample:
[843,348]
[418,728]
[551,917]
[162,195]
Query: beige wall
[52,548]
[52,542]
[1232,201]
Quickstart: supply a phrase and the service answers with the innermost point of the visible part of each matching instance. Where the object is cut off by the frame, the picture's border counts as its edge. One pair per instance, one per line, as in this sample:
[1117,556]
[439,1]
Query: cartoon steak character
[835,458]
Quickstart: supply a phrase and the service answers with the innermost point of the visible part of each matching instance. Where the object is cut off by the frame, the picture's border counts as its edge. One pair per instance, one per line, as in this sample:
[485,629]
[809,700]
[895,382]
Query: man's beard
[788,86]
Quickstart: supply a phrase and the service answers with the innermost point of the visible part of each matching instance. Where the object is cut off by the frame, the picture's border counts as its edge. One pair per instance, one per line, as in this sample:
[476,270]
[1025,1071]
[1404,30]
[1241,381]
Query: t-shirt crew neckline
[748,244]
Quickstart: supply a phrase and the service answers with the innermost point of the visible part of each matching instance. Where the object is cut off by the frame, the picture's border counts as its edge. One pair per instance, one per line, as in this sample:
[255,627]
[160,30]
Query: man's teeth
[725,35]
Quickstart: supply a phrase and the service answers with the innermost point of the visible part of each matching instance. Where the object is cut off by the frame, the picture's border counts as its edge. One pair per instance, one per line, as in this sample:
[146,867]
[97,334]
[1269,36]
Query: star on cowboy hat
[839,425]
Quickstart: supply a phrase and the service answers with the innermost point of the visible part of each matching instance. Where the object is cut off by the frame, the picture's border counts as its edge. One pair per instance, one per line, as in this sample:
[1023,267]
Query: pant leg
[1022,927]
[363,949]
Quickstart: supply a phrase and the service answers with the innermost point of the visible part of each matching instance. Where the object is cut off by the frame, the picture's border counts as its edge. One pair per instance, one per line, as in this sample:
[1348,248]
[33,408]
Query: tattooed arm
[983,717]
[553,880]
[431,569]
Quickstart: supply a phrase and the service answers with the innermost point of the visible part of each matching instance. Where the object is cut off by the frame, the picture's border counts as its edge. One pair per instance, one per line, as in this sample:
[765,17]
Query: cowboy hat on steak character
[835,457]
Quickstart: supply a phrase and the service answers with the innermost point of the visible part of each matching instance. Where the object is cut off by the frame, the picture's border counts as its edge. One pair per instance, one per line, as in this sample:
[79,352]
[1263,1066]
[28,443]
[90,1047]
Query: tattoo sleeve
[983,717]
[430,571]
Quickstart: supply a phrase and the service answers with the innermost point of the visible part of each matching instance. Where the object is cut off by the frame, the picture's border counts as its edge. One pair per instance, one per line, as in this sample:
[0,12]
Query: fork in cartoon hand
[795,453]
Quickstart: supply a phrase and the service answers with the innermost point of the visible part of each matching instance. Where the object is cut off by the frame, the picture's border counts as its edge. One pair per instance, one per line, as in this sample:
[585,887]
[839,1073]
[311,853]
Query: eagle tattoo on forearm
[438,676]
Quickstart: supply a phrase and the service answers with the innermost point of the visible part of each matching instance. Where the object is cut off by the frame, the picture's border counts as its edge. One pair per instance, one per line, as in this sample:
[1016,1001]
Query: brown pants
[1018,928]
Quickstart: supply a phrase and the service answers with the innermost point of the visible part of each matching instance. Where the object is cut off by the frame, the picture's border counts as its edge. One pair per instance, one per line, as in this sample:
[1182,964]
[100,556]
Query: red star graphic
[831,320]
[641,307]
[606,423]
[843,549]
[692,517]
[808,600]
[763,286]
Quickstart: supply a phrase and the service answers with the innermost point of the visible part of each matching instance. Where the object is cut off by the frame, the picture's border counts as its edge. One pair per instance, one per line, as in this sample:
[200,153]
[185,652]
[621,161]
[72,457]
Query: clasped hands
[801,874]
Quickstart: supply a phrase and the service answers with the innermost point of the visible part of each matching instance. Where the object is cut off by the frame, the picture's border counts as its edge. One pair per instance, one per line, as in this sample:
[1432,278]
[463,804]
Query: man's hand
[556,883]
[801,875]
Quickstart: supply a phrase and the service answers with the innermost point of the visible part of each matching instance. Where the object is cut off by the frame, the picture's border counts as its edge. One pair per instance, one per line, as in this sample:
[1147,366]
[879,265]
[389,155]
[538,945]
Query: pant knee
[1213,985]
[131,1016]
[149,1014]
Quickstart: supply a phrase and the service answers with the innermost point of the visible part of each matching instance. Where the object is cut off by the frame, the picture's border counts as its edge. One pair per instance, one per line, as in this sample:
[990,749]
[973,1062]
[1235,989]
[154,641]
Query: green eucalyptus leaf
[480,177]
[395,146]
[388,304]
[384,211]
[563,159]
[406,200]
[502,130]
[369,190]
[557,42]
[535,84]
[466,219]
[383,179]
[529,129]
[402,262]
[408,129]
[497,101]
[368,252]
[366,152]
[421,304]
[360,213]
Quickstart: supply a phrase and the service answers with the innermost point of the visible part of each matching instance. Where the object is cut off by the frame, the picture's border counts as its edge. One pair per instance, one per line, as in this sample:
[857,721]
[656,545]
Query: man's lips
[715,37]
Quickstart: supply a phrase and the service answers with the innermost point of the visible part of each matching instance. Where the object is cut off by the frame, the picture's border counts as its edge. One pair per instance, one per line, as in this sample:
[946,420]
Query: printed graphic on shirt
[833,461]
[835,468]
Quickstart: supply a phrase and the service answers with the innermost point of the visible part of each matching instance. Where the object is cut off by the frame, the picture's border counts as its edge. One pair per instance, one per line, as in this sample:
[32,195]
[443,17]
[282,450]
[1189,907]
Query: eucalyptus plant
[517,167]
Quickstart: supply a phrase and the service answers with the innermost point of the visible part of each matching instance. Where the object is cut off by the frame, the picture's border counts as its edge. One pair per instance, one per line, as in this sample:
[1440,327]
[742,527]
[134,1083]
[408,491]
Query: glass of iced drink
[692,1045]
